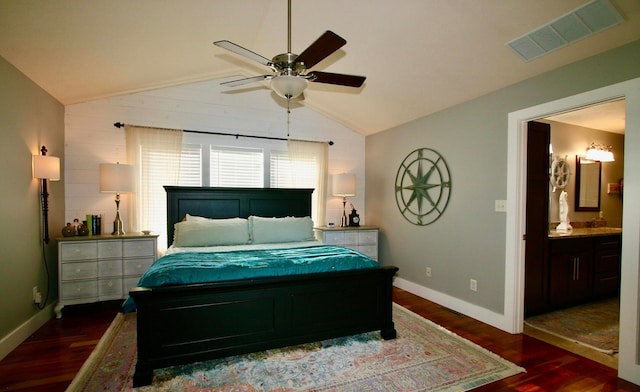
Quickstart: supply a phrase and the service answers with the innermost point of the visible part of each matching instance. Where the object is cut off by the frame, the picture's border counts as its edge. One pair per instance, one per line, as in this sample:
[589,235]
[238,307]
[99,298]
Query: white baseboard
[474,311]
[20,334]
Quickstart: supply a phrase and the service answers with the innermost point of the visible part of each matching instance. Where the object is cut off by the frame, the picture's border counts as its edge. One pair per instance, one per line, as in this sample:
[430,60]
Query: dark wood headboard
[234,202]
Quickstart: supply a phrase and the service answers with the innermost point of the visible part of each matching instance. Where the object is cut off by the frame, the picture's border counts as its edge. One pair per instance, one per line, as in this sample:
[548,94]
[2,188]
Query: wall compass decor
[423,186]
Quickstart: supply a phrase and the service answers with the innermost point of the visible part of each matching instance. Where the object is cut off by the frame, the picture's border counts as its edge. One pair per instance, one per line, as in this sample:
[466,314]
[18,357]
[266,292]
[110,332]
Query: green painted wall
[468,241]
[30,118]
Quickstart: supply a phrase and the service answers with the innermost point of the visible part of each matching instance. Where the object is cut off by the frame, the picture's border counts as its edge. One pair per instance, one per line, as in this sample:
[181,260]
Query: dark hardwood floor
[50,358]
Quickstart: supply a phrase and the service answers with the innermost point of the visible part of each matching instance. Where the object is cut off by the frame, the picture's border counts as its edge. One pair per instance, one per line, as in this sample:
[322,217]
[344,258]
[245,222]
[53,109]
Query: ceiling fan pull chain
[288,113]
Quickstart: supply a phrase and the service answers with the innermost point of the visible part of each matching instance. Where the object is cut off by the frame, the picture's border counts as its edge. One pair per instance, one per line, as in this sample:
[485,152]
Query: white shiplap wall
[91,138]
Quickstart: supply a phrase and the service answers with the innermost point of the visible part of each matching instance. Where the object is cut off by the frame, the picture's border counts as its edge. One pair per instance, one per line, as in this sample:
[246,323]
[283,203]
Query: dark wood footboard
[184,324]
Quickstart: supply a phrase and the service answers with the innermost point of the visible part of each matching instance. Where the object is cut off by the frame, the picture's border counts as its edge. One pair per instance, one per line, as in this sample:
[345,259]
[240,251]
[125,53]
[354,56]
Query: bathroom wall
[571,140]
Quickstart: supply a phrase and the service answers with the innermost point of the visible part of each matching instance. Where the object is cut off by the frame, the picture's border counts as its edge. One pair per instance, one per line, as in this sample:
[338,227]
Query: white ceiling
[419,56]
[608,116]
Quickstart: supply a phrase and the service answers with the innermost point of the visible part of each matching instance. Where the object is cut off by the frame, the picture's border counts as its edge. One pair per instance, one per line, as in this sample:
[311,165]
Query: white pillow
[195,218]
[289,229]
[211,232]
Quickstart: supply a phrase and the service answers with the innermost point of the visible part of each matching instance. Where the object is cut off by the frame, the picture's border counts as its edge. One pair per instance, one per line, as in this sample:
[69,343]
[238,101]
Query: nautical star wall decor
[423,186]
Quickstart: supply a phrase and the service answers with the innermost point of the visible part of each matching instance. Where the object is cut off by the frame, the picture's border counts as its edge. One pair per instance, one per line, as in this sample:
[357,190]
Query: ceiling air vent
[580,23]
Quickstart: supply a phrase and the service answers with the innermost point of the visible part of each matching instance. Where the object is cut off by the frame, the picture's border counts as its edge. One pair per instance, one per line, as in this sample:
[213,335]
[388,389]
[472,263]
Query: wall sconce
[599,152]
[45,168]
[344,185]
[116,178]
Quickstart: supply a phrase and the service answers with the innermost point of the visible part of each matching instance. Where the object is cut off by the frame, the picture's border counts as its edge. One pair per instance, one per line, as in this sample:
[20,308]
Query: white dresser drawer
[80,289]
[76,271]
[109,267]
[135,248]
[79,251]
[369,250]
[110,288]
[137,266]
[109,249]
[368,237]
[333,237]
[350,237]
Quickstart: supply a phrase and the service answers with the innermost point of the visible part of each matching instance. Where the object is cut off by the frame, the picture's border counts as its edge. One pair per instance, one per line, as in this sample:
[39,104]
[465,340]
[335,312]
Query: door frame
[629,355]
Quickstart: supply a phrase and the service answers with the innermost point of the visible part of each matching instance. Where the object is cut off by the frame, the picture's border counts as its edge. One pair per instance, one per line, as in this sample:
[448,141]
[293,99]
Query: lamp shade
[344,184]
[288,86]
[46,167]
[116,178]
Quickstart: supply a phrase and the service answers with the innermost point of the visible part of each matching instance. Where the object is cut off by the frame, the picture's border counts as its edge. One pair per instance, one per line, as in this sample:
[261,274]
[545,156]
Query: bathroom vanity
[583,265]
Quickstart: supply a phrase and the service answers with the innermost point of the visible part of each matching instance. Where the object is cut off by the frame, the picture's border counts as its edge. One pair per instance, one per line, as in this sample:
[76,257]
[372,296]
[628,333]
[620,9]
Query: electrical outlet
[428,272]
[500,206]
[473,285]
[37,297]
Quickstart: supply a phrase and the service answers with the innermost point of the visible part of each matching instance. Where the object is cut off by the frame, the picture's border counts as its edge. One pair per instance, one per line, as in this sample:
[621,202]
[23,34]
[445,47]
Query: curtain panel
[155,154]
[300,151]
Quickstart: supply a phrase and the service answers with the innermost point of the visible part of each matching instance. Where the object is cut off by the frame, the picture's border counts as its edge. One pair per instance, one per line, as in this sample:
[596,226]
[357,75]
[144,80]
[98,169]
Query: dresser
[101,267]
[363,239]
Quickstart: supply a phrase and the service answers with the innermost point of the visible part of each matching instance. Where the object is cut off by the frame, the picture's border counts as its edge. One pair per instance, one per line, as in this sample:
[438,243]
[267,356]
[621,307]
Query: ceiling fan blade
[328,43]
[240,82]
[237,49]
[335,78]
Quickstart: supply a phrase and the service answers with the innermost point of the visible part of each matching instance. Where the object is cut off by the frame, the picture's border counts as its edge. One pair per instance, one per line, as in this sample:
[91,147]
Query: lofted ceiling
[419,56]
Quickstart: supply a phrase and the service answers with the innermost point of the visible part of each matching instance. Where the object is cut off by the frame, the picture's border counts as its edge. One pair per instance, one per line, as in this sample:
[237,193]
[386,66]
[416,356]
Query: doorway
[585,318]
[629,366]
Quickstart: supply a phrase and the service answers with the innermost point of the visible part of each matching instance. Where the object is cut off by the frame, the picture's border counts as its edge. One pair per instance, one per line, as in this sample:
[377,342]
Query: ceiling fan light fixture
[288,86]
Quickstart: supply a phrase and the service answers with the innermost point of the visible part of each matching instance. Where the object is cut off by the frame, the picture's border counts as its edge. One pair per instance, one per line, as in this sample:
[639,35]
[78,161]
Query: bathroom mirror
[587,184]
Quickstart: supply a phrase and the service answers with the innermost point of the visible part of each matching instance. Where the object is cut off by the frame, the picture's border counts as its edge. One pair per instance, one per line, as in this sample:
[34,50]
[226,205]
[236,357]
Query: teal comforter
[195,267]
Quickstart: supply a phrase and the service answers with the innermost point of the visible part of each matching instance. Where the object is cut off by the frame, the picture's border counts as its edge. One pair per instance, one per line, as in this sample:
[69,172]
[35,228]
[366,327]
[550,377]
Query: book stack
[94,223]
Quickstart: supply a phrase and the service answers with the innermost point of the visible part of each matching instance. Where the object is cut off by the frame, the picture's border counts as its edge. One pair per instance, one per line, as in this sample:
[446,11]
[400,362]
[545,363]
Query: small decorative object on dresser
[354,218]
[363,239]
[68,230]
[83,229]
[101,267]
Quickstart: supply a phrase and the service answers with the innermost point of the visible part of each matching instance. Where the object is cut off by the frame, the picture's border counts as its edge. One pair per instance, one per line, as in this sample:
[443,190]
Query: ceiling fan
[290,70]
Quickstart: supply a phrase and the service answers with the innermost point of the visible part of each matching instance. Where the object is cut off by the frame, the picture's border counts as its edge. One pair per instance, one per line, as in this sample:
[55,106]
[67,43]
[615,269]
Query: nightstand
[363,239]
[101,267]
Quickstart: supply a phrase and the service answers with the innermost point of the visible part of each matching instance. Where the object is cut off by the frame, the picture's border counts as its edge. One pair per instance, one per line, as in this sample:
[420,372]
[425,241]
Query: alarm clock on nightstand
[354,219]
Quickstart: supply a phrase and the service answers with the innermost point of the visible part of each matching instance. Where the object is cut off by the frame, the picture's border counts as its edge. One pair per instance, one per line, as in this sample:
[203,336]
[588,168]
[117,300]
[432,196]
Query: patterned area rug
[594,325]
[425,356]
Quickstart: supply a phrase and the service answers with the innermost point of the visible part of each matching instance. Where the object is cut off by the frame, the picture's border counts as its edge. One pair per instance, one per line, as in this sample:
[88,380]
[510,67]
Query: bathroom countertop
[586,232]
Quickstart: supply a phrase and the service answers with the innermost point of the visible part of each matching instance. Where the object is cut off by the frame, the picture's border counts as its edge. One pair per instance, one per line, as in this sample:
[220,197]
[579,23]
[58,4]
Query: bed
[186,323]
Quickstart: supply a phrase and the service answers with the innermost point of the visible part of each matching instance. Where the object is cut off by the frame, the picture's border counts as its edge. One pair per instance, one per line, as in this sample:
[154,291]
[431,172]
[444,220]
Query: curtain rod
[236,135]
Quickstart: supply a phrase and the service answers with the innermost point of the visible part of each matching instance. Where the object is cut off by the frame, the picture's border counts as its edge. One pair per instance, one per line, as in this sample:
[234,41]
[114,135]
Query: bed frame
[195,322]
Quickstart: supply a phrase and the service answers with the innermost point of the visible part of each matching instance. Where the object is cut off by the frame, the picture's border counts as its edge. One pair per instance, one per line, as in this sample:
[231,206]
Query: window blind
[236,167]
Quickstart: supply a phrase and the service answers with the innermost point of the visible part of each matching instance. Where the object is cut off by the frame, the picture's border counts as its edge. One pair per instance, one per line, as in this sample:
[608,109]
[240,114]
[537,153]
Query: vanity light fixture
[344,185]
[45,168]
[599,152]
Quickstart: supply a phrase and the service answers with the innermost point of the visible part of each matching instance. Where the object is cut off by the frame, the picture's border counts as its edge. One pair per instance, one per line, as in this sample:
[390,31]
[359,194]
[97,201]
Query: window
[236,167]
